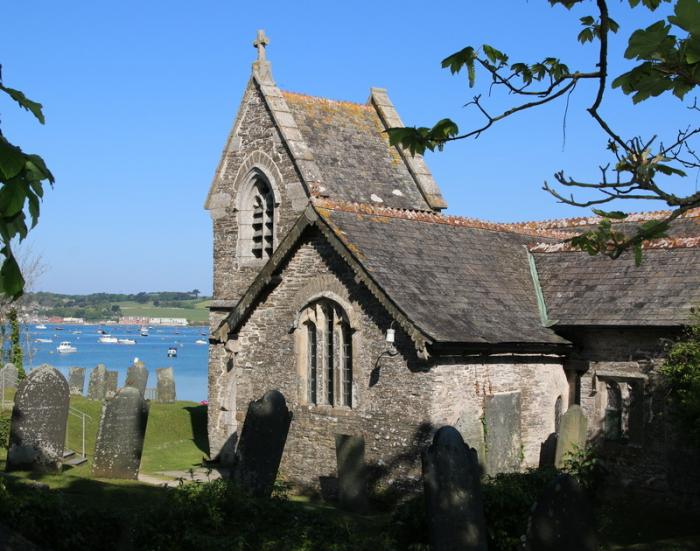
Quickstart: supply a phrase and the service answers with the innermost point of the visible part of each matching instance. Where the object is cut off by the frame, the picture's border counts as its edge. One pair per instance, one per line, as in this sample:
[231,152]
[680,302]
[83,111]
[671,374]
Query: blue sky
[139,98]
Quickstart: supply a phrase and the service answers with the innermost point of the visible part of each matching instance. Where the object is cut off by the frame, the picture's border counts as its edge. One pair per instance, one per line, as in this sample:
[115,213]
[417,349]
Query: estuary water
[190,365]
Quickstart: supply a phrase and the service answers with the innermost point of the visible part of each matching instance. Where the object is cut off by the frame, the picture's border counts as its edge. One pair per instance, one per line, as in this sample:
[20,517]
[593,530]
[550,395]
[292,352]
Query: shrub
[4,430]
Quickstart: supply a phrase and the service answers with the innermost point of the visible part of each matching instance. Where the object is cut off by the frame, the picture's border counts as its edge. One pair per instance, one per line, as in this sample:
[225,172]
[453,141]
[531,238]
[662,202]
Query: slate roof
[459,281]
[353,154]
[583,290]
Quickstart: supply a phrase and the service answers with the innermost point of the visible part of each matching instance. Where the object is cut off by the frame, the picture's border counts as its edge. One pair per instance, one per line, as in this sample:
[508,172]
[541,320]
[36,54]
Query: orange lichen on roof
[326,206]
[661,243]
[296,96]
[593,220]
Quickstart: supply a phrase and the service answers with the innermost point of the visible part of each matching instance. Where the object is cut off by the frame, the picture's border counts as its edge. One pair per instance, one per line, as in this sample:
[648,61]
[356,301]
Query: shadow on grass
[198,418]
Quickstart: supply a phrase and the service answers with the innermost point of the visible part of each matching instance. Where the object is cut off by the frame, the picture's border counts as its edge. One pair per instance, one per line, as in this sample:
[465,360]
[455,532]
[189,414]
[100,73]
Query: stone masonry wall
[655,460]
[257,141]
[461,386]
[391,414]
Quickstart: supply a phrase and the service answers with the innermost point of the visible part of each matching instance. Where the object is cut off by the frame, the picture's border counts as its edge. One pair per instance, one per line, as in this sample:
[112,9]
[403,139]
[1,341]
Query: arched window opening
[328,355]
[613,411]
[263,207]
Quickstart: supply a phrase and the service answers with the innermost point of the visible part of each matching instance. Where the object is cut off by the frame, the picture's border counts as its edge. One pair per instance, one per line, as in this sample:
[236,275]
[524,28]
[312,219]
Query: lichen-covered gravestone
[137,376]
[39,417]
[111,383]
[76,380]
[165,388]
[352,473]
[120,435]
[562,519]
[572,434]
[451,474]
[502,428]
[8,376]
[262,441]
[97,385]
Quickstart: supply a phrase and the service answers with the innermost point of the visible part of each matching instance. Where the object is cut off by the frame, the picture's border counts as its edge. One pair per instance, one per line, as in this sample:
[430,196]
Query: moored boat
[144,331]
[66,348]
[126,341]
[200,341]
[41,326]
[43,340]
[172,352]
[108,339]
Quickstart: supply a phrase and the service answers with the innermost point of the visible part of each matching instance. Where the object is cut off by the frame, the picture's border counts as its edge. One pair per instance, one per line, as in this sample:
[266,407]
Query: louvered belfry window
[263,219]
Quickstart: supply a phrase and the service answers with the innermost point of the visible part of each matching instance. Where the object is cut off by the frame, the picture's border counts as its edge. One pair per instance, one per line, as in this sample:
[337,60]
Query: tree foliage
[667,60]
[682,374]
[22,177]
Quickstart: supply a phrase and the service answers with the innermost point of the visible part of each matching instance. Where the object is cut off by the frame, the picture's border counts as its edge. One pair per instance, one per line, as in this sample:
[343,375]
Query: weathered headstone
[120,435]
[165,388]
[39,417]
[76,380]
[111,383]
[137,376]
[262,441]
[352,473]
[572,434]
[562,519]
[451,474]
[470,425]
[8,376]
[97,385]
[502,428]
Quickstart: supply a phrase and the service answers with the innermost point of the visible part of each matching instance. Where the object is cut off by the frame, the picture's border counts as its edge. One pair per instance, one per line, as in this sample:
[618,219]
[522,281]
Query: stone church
[339,282]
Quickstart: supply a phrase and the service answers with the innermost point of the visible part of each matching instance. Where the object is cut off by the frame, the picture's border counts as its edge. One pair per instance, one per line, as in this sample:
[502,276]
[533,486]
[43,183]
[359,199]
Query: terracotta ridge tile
[436,218]
[591,220]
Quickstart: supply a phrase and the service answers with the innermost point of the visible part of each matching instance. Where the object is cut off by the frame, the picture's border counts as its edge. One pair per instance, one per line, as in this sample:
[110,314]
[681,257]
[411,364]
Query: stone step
[75,461]
[68,453]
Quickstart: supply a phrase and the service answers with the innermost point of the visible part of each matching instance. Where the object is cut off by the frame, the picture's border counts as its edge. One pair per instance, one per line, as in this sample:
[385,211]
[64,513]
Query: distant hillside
[111,306]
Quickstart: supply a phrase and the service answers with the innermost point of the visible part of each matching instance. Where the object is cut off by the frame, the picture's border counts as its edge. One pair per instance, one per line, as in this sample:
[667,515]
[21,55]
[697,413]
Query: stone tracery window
[327,363]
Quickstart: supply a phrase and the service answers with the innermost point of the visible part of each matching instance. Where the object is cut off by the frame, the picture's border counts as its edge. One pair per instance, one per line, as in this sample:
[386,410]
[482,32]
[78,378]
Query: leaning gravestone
[97,385]
[165,388]
[572,434]
[562,519]
[502,428]
[39,417]
[8,376]
[262,441]
[451,474]
[76,380]
[352,474]
[111,383]
[120,435]
[137,376]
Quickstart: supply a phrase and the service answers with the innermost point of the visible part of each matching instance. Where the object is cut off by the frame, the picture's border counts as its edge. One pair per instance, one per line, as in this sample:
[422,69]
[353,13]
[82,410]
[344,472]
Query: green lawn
[198,314]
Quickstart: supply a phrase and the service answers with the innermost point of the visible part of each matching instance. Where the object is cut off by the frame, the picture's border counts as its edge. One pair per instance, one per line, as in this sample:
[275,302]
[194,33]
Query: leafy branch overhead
[21,188]
[667,57]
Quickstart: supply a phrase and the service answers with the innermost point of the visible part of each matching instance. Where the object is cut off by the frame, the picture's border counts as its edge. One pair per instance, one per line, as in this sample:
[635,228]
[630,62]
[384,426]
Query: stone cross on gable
[261,67]
[260,42]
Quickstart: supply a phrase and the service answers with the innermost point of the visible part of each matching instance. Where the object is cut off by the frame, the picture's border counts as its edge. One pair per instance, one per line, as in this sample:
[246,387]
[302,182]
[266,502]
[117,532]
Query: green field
[198,314]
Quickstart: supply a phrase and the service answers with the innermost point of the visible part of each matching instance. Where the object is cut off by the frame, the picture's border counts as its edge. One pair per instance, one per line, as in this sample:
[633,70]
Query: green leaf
[31,106]
[494,55]
[586,35]
[11,159]
[11,280]
[687,16]
[465,57]
[669,170]
[614,215]
[637,254]
[651,42]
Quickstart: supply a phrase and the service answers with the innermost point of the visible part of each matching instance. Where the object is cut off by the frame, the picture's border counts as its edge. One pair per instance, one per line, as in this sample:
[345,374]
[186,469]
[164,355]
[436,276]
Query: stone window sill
[330,411]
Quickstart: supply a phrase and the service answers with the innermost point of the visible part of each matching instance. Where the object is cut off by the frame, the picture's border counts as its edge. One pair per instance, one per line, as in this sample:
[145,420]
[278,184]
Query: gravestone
[548,451]
[572,434]
[261,444]
[38,426]
[97,385]
[76,380]
[562,519]
[165,387]
[455,511]
[120,435]
[111,383]
[8,376]
[470,425]
[137,376]
[502,428]
[352,474]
